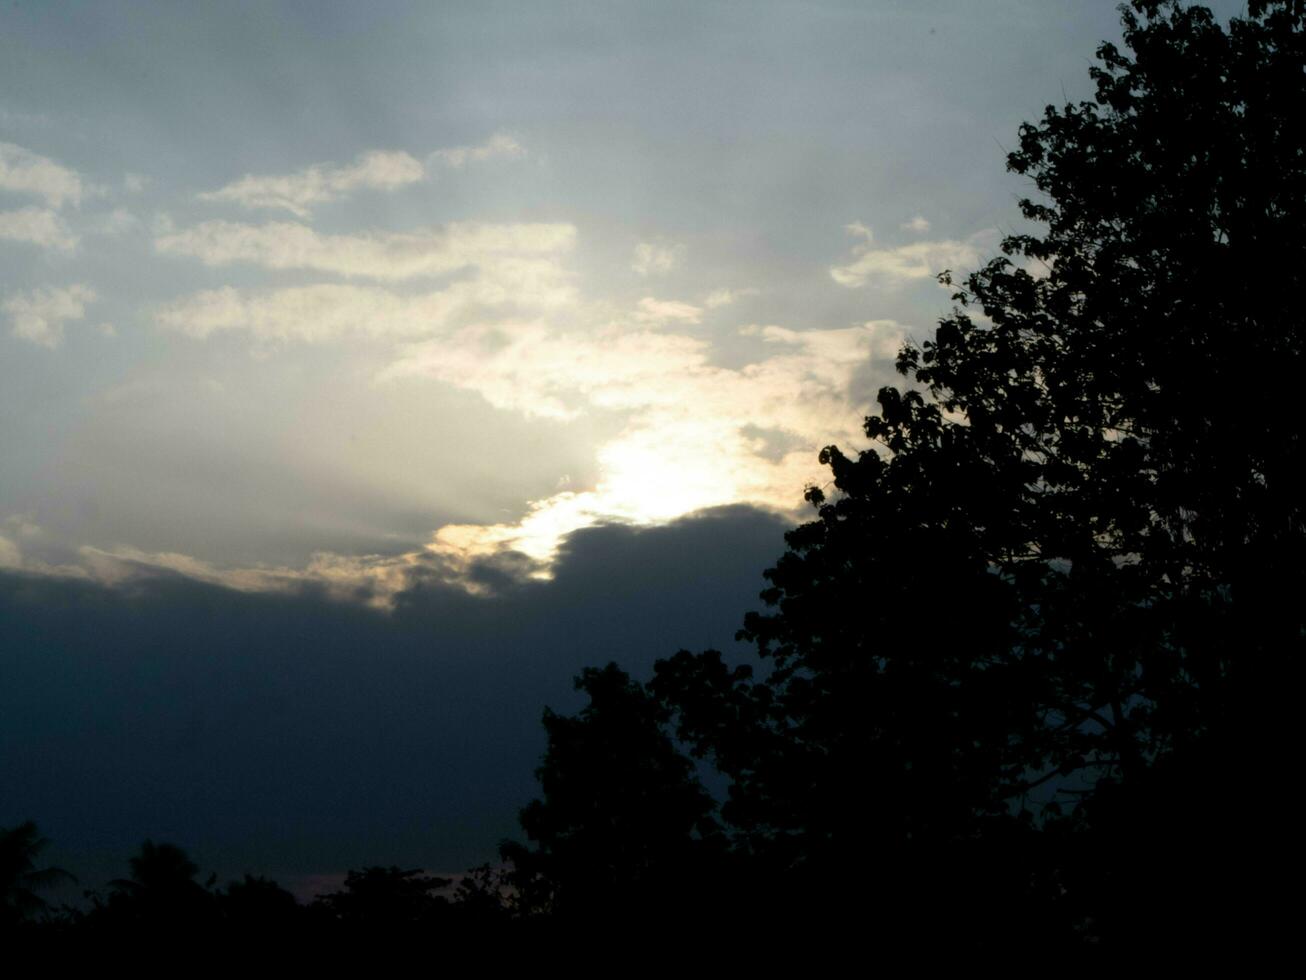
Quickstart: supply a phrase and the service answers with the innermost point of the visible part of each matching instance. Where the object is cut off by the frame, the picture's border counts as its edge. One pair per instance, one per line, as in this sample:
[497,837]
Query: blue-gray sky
[316,311]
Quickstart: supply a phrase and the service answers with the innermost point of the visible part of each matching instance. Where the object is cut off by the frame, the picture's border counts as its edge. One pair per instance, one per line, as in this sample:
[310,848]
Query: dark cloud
[293,735]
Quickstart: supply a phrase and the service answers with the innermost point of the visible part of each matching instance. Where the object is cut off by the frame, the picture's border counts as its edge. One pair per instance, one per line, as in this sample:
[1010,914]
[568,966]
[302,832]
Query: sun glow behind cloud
[686,446]
[500,311]
[684,443]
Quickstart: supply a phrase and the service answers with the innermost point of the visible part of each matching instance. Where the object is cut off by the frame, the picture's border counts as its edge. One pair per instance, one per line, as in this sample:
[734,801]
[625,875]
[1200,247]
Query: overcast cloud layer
[331,313]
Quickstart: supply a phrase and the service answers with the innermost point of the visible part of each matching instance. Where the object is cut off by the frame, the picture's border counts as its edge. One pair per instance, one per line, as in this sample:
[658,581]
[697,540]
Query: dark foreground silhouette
[1026,681]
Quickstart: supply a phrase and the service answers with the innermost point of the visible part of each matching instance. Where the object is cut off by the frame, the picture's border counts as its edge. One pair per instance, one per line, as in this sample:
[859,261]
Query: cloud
[725,297]
[384,256]
[379,170]
[918,224]
[321,183]
[661,310]
[499,145]
[691,438]
[242,709]
[39,316]
[509,270]
[541,371]
[11,556]
[119,221]
[25,172]
[651,259]
[332,311]
[19,532]
[37,226]
[689,434]
[903,264]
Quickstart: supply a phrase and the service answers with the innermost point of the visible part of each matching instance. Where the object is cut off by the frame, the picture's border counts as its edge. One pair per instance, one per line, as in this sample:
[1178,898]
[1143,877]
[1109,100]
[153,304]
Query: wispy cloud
[37,226]
[321,183]
[918,224]
[25,172]
[662,310]
[725,297]
[332,311]
[655,260]
[119,221]
[382,256]
[39,316]
[499,145]
[902,264]
[377,170]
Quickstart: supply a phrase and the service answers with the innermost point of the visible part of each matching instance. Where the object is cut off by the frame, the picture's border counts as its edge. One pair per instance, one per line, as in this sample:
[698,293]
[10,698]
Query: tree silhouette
[258,904]
[624,824]
[162,890]
[21,880]
[1031,662]
[380,897]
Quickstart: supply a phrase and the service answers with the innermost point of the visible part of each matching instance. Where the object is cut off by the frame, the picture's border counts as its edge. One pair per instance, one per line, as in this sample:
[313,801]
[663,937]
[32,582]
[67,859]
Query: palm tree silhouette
[20,878]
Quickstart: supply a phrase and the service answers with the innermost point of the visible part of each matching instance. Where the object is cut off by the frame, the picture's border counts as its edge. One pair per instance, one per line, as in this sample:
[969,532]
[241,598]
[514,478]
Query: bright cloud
[690,439]
[499,145]
[386,256]
[918,224]
[39,316]
[651,259]
[37,226]
[25,172]
[903,264]
[321,183]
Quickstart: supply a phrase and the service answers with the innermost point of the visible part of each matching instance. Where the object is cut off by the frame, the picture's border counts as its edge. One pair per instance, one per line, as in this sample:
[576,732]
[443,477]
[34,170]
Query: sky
[366,370]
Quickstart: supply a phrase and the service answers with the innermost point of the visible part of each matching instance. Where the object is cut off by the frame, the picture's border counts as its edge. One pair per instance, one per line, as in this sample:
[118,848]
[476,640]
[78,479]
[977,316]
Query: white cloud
[725,297]
[134,183]
[37,226]
[860,230]
[918,224]
[509,271]
[383,170]
[321,183]
[332,311]
[39,316]
[499,145]
[903,264]
[651,259]
[662,310]
[385,256]
[25,172]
